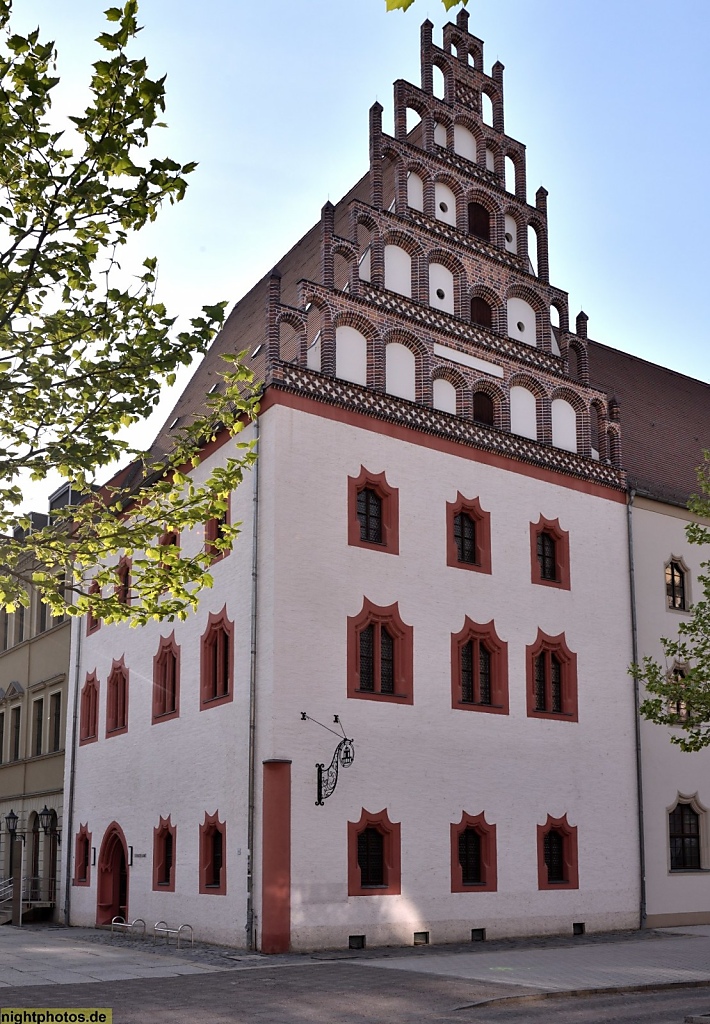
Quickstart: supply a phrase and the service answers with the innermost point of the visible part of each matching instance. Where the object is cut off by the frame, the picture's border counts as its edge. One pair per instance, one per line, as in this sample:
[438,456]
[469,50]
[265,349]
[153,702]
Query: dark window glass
[483,411]
[42,617]
[484,674]
[386,662]
[370,857]
[467,673]
[84,859]
[465,537]
[2,736]
[546,556]
[55,715]
[167,681]
[369,514]
[167,861]
[123,590]
[218,650]
[20,623]
[15,735]
[479,221]
[675,585]
[367,658]
[684,828]
[5,630]
[540,697]
[555,684]
[470,856]
[481,313]
[554,856]
[217,854]
[37,730]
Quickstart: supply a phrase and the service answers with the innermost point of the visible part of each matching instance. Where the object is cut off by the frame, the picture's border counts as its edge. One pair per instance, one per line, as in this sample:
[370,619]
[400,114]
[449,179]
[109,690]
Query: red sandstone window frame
[498,649]
[570,855]
[403,637]
[92,622]
[117,699]
[489,854]
[208,828]
[392,855]
[389,497]
[561,538]
[213,673]
[548,645]
[168,647]
[123,586]
[212,533]
[82,856]
[89,710]
[164,829]
[482,524]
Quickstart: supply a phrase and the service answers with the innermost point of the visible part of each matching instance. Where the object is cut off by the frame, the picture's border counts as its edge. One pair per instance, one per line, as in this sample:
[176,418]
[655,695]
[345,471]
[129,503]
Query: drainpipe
[250,930]
[68,830]
[637,718]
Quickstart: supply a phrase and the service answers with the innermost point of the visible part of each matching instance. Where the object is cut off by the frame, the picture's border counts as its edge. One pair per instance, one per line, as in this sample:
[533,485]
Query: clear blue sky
[610,98]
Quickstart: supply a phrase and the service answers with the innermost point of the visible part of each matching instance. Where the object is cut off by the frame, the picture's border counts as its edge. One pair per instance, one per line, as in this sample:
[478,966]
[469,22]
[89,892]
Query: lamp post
[45,821]
[11,823]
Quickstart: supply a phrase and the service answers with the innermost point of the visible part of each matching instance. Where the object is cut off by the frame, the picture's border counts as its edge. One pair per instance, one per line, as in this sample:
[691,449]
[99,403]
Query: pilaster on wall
[276,858]
[376,155]
[327,257]
[426,45]
[273,300]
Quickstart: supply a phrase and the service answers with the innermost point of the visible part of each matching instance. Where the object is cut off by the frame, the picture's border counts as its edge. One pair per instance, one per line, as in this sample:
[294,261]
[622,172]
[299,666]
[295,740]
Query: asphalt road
[351,993]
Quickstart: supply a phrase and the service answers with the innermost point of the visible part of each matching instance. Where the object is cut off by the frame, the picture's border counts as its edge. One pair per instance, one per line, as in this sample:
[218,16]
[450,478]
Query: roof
[665,421]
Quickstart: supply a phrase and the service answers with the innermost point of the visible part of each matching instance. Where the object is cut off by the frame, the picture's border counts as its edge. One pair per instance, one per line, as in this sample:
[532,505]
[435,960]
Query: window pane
[556,684]
[540,701]
[369,514]
[370,857]
[465,537]
[553,850]
[484,675]
[367,661]
[546,556]
[386,662]
[470,856]
[467,673]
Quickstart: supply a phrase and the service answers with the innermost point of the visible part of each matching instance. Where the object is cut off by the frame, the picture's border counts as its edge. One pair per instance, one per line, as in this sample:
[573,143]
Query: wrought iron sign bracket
[327,778]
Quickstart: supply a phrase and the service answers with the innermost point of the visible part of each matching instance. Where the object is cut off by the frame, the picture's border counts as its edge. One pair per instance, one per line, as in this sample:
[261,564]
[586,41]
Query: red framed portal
[112,890]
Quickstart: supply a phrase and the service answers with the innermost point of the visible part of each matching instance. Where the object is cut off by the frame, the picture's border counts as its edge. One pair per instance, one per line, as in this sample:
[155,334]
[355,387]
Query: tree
[85,348]
[403,5]
[680,689]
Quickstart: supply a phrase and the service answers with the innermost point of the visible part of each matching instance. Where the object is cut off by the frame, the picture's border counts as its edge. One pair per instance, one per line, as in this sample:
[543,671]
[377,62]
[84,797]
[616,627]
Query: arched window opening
[564,425]
[510,175]
[487,109]
[490,161]
[511,234]
[444,396]
[684,835]
[532,250]
[573,359]
[439,82]
[415,191]
[400,371]
[313,338]
[398,270]
[289,343]
[464,143]
[481,312]
[350,355]
[117,700]
[444,203]
[364,247]
[555,330]
[594,431]
[216,661]
[483,409]
[479,221]
[441,288]
[341,273]
[440,137]
[522,321]
[413,121]
[523,412]
[213,870]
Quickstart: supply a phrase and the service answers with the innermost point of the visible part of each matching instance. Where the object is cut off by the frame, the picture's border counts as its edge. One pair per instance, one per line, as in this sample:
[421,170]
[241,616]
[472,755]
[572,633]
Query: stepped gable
[428,253]
[665,416]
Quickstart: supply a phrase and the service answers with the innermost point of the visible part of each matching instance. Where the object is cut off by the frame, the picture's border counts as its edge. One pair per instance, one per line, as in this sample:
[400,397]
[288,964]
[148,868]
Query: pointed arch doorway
[112,894]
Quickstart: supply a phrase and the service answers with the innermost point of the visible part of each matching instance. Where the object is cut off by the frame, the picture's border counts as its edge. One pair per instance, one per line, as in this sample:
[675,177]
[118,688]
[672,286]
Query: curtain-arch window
[213,856]
[481,312]
[380,655]
[684,835]
[374,855]
[216,661]
[675,585]
[117,700]
[479,221]
[557,856]
[551,679]
[473,855]
[89,713]
[166,680]
[373,512]
[479,669]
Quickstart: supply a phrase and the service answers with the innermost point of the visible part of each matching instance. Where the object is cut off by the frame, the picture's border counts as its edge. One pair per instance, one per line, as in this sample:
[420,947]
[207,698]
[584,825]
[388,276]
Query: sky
[272,100]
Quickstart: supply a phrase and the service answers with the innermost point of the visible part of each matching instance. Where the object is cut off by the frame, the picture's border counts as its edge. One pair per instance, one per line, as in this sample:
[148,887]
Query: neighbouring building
[434,552]
[34,672]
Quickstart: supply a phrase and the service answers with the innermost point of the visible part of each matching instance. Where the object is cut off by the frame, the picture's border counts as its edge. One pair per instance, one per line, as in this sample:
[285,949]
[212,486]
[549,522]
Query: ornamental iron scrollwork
[327,778]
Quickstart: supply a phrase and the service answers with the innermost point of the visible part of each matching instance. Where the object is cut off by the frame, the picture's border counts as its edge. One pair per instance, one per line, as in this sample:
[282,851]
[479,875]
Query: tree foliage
[403,5]
[679,689]
[85,348]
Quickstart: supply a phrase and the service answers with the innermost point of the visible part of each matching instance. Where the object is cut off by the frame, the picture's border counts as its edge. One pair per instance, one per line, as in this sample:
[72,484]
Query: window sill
[383,696]
[688,871]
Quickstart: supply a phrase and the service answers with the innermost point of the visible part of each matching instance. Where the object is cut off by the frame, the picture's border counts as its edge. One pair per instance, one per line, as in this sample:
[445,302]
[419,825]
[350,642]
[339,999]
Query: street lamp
[46,822]
[11,823]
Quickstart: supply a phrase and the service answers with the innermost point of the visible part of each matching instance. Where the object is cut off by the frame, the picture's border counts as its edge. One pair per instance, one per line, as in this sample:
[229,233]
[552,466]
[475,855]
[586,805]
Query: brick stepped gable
[482,268]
